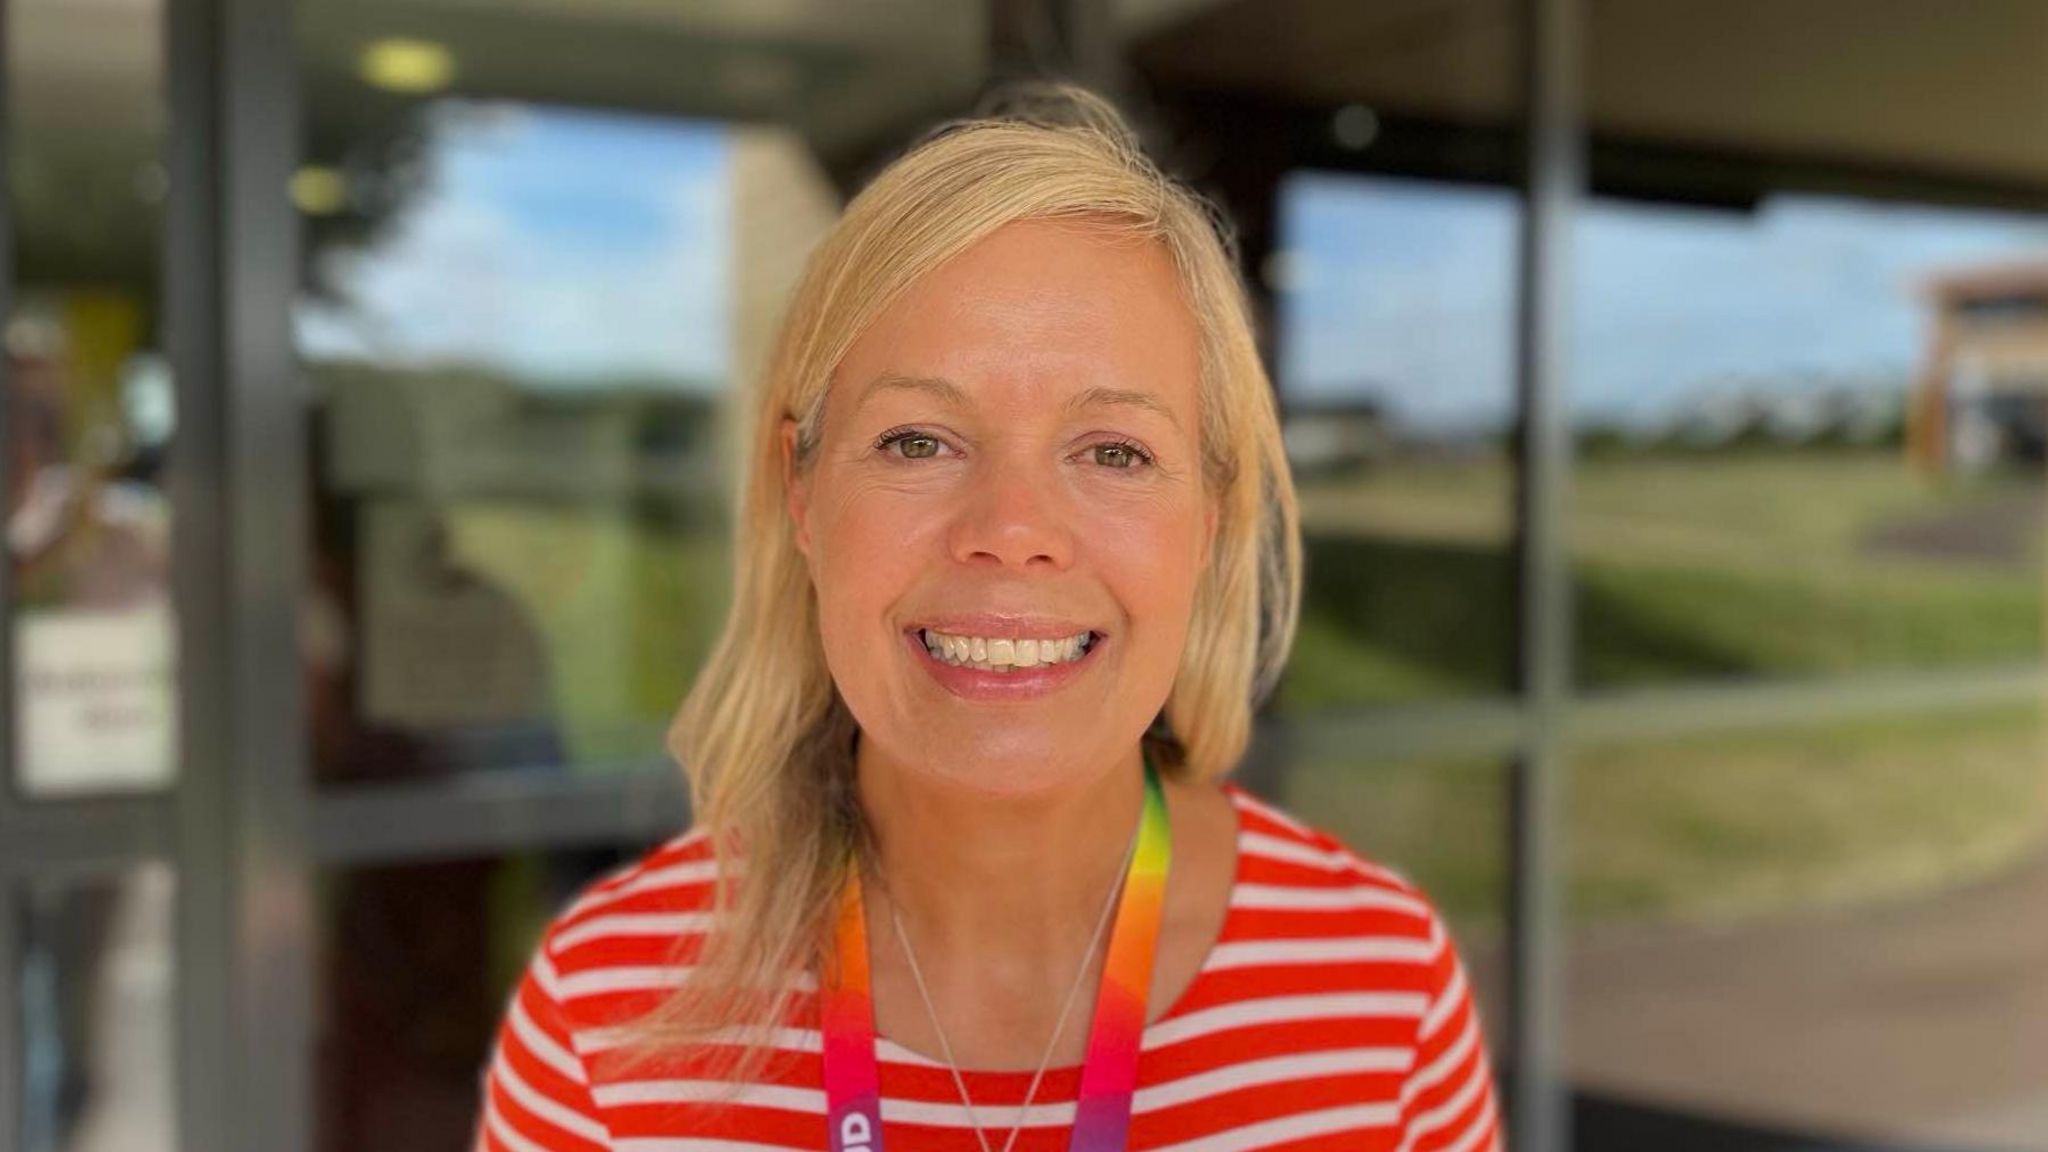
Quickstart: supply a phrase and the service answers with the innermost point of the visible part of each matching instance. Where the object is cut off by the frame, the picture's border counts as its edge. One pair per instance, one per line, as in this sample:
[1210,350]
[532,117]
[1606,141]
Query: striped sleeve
[1447,1098]
[536,1091]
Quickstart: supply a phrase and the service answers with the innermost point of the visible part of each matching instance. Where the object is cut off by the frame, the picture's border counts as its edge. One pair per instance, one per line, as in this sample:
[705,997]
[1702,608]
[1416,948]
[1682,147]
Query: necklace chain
[1059,1026]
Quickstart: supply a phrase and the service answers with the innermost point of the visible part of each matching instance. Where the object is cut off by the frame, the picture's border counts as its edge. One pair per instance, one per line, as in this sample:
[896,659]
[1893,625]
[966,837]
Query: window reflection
[1830,929]
[419,962]
[95,1000]
[521,373]
[88,399]
[1396,382]
[1747,502]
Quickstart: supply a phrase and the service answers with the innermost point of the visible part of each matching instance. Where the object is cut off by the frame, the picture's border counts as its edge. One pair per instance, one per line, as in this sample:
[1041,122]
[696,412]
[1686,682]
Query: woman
[1017,555]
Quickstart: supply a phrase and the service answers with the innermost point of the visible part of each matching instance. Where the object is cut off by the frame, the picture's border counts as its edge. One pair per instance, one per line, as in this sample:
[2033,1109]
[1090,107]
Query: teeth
[1003,655]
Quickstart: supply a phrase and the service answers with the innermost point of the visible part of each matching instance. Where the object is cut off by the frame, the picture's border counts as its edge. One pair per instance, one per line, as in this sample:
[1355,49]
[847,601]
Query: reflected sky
[1403,291]
[562,248]
[577,249]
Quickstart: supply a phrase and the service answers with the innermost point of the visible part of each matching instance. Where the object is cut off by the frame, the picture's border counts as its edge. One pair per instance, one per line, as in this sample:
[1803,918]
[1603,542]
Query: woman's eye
[914,445]
[1122,457]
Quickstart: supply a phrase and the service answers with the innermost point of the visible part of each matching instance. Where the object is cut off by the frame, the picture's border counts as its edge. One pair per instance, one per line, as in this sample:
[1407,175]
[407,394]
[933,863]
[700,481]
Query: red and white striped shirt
[1333,1012]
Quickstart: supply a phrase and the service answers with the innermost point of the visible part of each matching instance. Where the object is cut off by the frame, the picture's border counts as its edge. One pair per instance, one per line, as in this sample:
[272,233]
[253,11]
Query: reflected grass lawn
[1717,829]
[1739,825]
[627,610]
[1684,567]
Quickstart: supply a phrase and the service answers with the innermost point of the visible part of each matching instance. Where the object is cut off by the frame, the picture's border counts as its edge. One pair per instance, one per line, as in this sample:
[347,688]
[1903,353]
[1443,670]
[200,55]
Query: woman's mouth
[1003,668]
[995,654]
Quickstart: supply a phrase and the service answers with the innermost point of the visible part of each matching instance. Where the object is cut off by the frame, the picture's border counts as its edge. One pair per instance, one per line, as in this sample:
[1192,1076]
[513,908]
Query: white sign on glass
[96,699]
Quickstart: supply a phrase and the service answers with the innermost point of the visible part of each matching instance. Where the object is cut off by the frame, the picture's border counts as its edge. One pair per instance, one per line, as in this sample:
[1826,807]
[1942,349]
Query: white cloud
[522,259]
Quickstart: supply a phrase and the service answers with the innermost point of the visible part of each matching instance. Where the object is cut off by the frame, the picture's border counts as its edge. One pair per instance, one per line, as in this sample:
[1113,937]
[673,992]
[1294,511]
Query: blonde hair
[764,736]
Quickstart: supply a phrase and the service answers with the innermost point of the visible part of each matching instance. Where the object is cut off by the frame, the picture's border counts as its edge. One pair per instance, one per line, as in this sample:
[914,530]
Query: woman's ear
[793,493]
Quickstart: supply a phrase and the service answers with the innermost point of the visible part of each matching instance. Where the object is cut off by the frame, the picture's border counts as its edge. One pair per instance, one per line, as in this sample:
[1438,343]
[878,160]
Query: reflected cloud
[564,249]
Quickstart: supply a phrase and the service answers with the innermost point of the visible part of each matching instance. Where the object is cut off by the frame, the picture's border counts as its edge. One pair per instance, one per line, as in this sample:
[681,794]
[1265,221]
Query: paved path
[1922,1023]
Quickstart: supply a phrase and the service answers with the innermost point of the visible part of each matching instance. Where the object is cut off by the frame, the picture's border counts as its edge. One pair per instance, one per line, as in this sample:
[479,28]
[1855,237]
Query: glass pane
[89,402]
[1397,380]
[533,280]
[1365,158]
[419,961]
[1443,825]
[96,1009]
[1808,378]
[1828,931]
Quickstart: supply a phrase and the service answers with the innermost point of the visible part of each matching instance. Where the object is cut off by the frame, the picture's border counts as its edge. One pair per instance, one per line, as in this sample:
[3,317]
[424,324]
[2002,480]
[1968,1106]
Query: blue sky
[1404,290]
[560,247]
[568,248]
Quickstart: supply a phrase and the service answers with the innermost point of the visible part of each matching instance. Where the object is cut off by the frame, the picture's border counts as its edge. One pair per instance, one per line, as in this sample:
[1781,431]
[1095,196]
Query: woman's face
[1011,452]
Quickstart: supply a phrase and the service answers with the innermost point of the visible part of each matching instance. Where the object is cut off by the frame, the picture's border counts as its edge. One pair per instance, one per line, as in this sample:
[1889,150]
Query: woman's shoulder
[638,914]
[1290,865]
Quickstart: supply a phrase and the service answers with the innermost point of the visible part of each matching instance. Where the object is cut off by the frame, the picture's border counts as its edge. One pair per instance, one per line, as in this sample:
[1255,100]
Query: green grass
[1739,826]
[626,610]
[1716,829]
[1684,567]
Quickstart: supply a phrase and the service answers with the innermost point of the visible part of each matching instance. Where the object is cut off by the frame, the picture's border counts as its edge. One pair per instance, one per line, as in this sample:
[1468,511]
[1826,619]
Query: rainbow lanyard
[1109,1073]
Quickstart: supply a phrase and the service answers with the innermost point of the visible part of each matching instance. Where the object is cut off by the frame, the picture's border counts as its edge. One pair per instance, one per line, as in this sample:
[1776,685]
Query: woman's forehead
[1055,306]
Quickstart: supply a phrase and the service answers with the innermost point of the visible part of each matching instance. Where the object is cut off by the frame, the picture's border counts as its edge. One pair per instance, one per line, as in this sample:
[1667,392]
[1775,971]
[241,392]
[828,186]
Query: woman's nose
[1014,513]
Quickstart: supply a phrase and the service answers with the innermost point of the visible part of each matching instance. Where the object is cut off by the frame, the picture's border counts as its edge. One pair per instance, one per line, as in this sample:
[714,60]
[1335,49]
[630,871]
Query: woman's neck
[999,877]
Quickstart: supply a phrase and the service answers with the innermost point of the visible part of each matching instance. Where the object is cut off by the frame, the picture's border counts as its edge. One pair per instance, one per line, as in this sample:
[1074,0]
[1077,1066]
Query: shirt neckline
[1001,1080]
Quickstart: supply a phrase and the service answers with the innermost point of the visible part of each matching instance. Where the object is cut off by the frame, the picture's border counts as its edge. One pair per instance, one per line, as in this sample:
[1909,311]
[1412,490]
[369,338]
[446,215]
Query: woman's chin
[1013,771]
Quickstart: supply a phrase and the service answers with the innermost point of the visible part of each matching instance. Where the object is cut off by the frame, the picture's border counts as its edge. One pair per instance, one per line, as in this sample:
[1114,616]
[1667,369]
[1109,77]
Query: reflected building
[1983,397]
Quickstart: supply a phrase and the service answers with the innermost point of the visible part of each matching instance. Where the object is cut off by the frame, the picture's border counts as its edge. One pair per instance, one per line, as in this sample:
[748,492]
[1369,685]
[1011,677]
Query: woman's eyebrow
[944,389]
[950,393]
[1098,397]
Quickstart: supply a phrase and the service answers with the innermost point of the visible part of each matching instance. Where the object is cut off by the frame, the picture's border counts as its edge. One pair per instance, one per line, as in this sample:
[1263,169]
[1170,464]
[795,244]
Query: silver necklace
[1058,1027]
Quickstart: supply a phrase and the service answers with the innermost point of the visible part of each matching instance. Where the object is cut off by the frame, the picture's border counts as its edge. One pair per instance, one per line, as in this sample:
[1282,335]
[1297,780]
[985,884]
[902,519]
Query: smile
[1003,668]
[1003,654]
